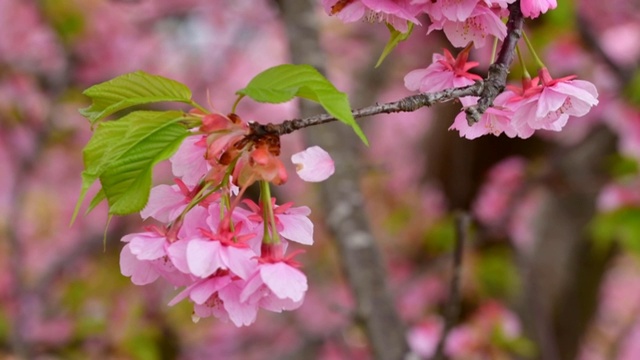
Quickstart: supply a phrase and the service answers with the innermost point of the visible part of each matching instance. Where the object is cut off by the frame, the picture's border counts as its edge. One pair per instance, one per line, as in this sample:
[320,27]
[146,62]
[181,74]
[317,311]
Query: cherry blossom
[495,120]
[187,163]
[482,23]
[444,72]
[292,222]
[533,8]
[145,259]
[423,338]
[394,12]
[549,105]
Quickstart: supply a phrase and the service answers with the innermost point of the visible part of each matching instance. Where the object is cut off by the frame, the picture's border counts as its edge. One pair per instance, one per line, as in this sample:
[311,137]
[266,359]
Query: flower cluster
[462,21]
[543,103]
[229,254]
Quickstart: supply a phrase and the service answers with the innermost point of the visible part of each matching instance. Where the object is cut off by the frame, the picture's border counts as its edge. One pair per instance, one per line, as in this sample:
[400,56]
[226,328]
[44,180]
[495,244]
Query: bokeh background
[551,270]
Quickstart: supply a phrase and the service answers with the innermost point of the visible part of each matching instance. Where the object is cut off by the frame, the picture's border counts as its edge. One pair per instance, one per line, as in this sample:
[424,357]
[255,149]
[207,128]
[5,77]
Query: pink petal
[240,261]
[203,290]
[297,228]
[141,272]
[203,257]
[240,313]
[275,304]
[313,164]
[147,246]
[251,286]
[177,252]
[188,162]
[165,203]
[194,220]
[284,281]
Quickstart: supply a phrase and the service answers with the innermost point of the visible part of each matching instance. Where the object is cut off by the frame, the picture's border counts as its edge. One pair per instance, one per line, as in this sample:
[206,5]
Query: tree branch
[497,78]
[407,104]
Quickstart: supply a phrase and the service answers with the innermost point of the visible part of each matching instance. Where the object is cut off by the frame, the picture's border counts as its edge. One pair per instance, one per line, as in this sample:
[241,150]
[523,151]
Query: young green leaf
[394,40]
[132,89]
[121,154]
[284,82]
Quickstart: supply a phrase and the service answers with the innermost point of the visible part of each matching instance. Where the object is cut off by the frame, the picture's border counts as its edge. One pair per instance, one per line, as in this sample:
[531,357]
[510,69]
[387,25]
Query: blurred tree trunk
[563,274]
[343,201]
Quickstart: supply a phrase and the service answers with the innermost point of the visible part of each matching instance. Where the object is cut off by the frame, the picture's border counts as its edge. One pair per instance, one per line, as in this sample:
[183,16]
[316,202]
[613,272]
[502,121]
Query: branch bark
[497,78]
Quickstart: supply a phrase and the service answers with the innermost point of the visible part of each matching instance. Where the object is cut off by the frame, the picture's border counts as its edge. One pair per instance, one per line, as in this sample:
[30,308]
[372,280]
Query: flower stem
[532,50]
[271,235]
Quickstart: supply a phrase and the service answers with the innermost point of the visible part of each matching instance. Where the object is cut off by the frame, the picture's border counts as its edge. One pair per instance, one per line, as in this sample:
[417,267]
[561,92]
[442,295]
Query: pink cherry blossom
[444,72]
[219,295]
[456,10]
[276,284]
[394,12]
[496,196]
[313,164]
[495,120]
[548,106]
[145,259]
[292,222]
[533,8]
[188,162]
[615,196]
[224,249]
[423,338]
[491,318]
[166,202]
[482,23]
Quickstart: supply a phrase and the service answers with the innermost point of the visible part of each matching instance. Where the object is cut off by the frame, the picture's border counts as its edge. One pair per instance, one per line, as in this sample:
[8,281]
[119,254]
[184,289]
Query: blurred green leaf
[441,237]
[284,82]
[632,90]
[496,273]
[622,225]
[621,166]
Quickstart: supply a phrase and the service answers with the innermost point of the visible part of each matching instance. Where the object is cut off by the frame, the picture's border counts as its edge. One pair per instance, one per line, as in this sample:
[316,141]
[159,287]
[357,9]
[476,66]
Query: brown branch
[407,104]
[462,222]
[488,90]
[497,78]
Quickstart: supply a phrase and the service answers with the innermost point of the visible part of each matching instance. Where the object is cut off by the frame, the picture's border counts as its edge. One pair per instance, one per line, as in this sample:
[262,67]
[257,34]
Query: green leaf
[121,154]
[132,89]
[284,82]
[394,40]
[621,225]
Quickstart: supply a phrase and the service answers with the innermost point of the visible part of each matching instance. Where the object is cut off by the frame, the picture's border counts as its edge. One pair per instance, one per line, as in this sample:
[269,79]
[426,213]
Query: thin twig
[497,78]
[462,223]
[407,104]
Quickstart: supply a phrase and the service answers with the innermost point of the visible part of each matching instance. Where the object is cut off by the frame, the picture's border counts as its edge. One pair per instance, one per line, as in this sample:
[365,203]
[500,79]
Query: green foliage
[496,273]
[132,89]
[121,154]
[520,346]
[622,225]
[620,166]
[284,82]
[441,237]
[395,39]
[65,17]
[632,90]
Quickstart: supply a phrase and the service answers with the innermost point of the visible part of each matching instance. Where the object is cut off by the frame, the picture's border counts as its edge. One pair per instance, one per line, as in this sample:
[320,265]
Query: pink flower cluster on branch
[543,103]
[229,254]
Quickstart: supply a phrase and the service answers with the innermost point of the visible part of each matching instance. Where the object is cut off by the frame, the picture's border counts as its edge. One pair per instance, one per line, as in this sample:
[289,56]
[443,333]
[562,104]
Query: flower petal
[313,164]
